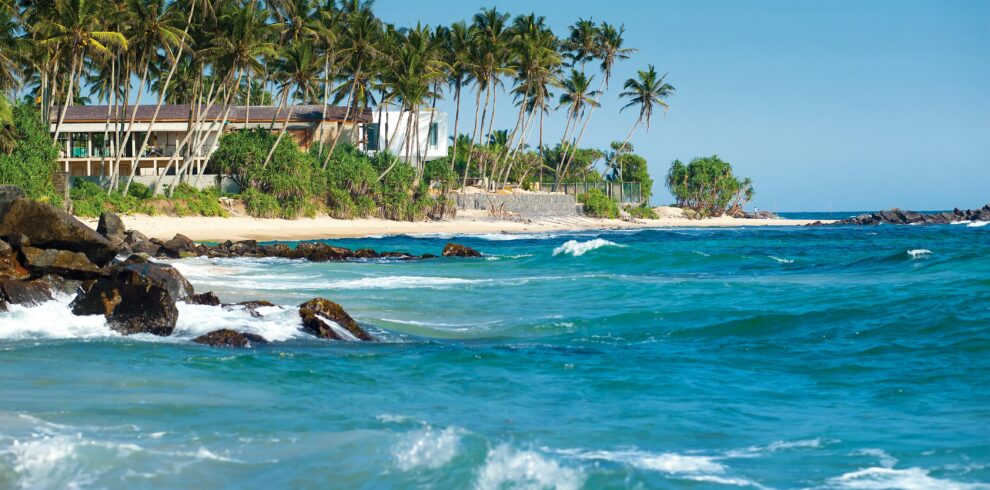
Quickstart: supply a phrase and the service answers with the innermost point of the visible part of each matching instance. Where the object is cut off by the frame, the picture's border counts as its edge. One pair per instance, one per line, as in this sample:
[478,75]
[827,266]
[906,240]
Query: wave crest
[577,249]
[507,467]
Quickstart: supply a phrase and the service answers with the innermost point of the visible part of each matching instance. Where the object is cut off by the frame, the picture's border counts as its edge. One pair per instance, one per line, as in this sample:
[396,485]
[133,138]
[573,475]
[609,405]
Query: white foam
[681,466]
[756,451]
[977,224]
[402,282]
[337,329]
[508,467]
[876,478]
[886,460]
[919,252]
[46,462]
[503,237]
[427,448]
[782,261]
[276,324]
[962,222]
[578,249]
[51,320]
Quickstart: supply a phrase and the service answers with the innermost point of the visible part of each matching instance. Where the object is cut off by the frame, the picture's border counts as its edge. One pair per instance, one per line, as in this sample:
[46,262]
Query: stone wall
[530,205]
[227,185]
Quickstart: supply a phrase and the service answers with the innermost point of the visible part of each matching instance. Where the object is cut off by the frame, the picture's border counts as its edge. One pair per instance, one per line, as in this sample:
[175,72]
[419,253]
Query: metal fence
[623,192]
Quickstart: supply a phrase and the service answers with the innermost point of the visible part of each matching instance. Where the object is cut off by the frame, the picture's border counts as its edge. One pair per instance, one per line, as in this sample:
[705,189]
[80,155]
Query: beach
[467,223]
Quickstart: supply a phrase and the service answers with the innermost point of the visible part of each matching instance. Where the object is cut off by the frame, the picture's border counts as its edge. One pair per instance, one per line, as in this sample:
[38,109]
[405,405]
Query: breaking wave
[427,448]
[506,467]
[882,478]
[577,249]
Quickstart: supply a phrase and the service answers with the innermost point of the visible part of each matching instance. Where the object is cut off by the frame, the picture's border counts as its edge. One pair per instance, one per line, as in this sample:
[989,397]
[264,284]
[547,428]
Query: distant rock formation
[899,217]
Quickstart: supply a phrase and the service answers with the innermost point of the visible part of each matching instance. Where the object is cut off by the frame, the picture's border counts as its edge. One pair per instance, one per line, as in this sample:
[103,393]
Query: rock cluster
[45,251]
[899,217]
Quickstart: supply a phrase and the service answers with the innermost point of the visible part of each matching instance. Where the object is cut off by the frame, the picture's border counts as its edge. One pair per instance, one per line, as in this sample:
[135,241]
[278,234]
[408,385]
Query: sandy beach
[467,223]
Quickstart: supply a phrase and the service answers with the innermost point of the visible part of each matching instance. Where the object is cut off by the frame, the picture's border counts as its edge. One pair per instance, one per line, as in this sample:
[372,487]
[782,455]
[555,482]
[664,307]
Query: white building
[387,130]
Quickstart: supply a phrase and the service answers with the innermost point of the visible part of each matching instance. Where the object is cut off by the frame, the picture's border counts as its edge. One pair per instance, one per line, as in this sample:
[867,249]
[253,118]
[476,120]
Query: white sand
[244,228]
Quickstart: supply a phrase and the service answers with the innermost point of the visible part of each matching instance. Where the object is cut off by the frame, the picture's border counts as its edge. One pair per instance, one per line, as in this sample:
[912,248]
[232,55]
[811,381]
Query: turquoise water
[729,358]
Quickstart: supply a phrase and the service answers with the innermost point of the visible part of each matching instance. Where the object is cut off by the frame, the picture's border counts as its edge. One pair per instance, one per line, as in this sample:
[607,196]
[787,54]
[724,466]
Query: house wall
[392,128]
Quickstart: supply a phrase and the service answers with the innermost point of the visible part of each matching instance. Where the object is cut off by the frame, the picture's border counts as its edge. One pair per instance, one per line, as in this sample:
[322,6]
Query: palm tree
[76,29]
[8,134]
[647,90]
[577,95]
[12,52]
[297,69]
[459,39]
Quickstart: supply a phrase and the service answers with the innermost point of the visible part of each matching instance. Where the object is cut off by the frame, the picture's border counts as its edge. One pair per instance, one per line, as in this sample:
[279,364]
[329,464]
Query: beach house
[89,135]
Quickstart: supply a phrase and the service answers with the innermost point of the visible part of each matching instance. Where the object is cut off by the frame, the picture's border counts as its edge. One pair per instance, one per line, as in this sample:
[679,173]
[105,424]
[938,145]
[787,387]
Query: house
[88,136]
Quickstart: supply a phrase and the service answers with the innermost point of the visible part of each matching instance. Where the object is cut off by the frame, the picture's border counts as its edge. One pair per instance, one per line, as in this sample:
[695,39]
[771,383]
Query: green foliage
[33,159]
[90,200]
[598,205]
[189,201]
[633,168]
[261,205]
[707,186]
[440,173]
[642,212]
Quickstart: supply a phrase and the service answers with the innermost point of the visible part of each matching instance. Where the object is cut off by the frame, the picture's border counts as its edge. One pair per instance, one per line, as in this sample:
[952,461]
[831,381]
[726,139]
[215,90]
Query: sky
[839,105]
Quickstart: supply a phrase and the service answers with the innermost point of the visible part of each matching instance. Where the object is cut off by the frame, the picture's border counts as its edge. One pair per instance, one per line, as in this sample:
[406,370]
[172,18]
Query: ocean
[823,357]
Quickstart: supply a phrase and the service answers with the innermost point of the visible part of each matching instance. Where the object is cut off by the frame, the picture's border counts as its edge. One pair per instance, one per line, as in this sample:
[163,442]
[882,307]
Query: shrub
[642,212]
[90,200]
[261,205]
[598,205]
[707,186]
[34,158]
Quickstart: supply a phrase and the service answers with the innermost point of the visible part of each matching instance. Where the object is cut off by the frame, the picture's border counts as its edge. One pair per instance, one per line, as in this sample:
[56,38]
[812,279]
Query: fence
[623,192]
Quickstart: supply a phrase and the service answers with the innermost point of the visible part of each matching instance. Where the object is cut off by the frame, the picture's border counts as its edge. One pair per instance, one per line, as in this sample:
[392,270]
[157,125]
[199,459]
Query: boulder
[73,265]
[10,267]
[146,247]
[455,250]
[317,312]
[366,253]
[162,275]
[48,227]
[9,194]
[111,226]
[321,252]
[229,338]
[27,293]
[130,301]
[133,236]
[208,298]
[179,246]
[252,307]
[397,256]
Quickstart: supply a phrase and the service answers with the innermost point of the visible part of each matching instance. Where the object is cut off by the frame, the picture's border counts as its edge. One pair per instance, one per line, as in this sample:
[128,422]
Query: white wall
[394,124]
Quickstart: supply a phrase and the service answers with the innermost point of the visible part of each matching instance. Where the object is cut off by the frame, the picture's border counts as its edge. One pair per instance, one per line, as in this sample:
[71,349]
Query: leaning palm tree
[647,91]
[577,96]
[297,69]
[76,29]
[457,45]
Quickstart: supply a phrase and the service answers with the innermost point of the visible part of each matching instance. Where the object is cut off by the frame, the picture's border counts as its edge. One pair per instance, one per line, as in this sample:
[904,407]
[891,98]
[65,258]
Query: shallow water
[762,358]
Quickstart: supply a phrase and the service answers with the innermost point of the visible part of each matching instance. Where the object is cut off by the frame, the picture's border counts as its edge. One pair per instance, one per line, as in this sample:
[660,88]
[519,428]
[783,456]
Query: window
[434,134]
[80,145]
[63,144]
[371,132]
[101,145]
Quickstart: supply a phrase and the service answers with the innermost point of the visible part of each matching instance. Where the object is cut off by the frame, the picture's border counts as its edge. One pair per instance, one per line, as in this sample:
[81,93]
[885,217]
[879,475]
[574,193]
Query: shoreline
[214,229]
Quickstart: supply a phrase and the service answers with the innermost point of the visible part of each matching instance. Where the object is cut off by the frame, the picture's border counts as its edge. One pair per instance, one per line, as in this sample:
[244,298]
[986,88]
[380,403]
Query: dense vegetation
[90,200]
[223,52]
[599,205]
[28,156]
[707,186]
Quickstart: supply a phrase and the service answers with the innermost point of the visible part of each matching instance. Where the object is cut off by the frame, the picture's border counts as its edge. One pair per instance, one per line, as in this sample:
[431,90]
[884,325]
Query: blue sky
[847,105]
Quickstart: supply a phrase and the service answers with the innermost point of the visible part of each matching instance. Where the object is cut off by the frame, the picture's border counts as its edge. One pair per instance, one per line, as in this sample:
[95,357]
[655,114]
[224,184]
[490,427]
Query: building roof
[180,113]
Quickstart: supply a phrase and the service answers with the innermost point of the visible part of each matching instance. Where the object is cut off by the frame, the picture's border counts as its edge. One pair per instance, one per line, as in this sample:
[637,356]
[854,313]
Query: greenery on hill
[27,153]
[708,186]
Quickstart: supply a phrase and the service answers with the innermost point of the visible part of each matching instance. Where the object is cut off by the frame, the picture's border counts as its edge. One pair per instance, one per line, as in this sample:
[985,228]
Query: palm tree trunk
[347,113]
[397,155]
[474,135]
[68,99]
[622,148]
[130,126]
[457,120]
[281,133]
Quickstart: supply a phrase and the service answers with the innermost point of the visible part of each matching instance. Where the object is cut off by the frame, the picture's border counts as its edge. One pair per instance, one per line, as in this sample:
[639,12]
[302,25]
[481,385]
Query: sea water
[833,357]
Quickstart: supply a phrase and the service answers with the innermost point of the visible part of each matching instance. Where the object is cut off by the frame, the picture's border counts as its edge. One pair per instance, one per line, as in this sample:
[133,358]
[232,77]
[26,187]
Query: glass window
[371,132]
[434,134]
[101,145]
[80,145]
[63,143]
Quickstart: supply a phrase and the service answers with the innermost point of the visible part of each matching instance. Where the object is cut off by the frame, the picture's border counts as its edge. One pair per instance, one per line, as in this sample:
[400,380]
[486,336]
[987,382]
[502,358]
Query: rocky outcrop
[178,247]
[739,213]
[208,298]
[10,266]
[230,338]
[50,228]
[316,314]
[897,216]
[111,227]
[134,298]
[73,265]
[455,250]
[26,293]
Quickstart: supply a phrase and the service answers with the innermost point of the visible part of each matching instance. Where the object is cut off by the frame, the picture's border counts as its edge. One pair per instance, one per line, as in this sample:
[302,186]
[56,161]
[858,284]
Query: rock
[147,247]
[60,285]
[253,306]
[900,217]
[27,293]
[427,256]
[321,252]
[10,267]
[455,250]
[17,241]
[317,312]
[178,246]
[162,275]
[366,253]
[208,298]
[133,236]
[397,256]
[131,302]
[73,265]
[111,226]
[9,194]
[48,227]
[229,338]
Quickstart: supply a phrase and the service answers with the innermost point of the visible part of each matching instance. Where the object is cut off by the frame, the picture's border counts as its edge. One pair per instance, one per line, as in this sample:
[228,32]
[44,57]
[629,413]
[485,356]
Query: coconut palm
[578,96]
[647,91]
[12,52]
[8,134]
[297,69]
[459,39]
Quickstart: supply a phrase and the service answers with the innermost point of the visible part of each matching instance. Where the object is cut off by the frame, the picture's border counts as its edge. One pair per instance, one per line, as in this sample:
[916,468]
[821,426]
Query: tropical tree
[647,91]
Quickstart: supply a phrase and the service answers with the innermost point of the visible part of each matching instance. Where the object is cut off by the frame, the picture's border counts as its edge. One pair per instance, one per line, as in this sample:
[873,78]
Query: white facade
[388,130]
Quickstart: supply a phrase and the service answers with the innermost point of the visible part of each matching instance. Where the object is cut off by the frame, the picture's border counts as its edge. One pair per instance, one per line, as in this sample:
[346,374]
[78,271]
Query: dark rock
[17,241]
[229,338]
[242,248]
[9,194]
[321,252]
[178,246]
[133,236]
[111,226]
[455,250]
[427,256]
[10,267]
[317,312]
[60,285]
[252,306]
[27,293]
[366,253]
[208,298]
[147,247]
[73,265]
[397,256]
[130,301]
[48,227]
[162,275]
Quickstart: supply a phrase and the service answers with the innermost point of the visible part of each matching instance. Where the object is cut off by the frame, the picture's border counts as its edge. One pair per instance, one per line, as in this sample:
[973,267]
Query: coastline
[207,229]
